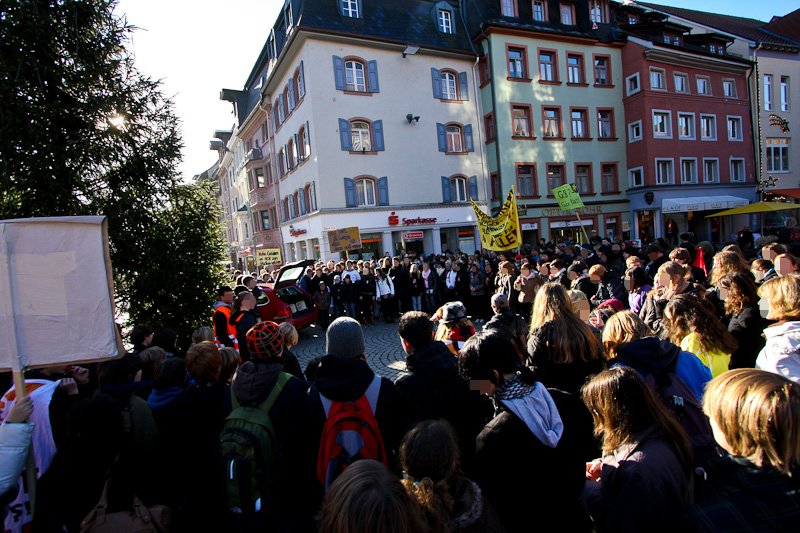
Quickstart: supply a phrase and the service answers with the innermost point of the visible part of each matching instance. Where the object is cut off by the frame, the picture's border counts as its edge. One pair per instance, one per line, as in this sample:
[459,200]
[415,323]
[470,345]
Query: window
[633,19]
[686,126]
[601,70]
[517,63]
[310,195]
[712,48]
[449,91]
[777,154]
[575,68]
[526,180]
[784,93]
[665,172]
[365,192]
[360,136]
[737,170]
[636,177]
[605,124]
[281,162]
[681,83]
[703,85]
[710,170]
[635,131]
[265,225]
[658,79]
[708,127]
[729,88]
[495,181]
[552,122]
[597,12]
[583,178]
[662,124]
[735,129]
[354,76]
[539,10]
[454,139]
[483,70]
[508,8]
[445,21]
[488,124]
[608,177]
[567,11]
[632,85]
[291,154]
[688,170]
[521,121]
[548,68]
[259,177]
[350,8]
[555,177]
[767,92]
[458,189]
[578,122]
[304,145]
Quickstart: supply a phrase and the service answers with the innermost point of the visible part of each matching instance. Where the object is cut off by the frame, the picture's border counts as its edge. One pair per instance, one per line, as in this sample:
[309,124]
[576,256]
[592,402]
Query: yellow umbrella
[757,207]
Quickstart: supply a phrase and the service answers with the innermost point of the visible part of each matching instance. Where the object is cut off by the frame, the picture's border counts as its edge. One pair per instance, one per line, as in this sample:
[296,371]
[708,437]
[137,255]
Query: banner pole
[586,235]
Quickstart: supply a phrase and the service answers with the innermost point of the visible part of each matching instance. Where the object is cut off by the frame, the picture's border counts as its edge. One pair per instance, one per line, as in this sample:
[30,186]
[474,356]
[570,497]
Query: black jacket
[244,320]
[434,390]
[510,322]
[609,288]
[746,327]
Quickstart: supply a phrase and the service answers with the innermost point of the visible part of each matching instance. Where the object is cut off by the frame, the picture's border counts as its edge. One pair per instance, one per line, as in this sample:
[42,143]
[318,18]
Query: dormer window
[350,8]
[567,10]
[287,16]
[597,11]
[633,19]
[445,21]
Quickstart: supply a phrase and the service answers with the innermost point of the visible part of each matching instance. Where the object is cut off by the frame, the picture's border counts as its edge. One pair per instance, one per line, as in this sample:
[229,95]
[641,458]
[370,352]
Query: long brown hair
[623,406]
[742,292]
[726,263]
[686,314]
[554,323]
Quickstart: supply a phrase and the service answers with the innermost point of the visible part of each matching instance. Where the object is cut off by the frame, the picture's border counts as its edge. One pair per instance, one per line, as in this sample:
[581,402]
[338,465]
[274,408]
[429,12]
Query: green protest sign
[568,197]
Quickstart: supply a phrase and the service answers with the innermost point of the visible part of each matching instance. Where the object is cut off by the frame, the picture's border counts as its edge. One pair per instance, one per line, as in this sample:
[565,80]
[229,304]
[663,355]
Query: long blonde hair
[554,323]
[726,263]
[622,328]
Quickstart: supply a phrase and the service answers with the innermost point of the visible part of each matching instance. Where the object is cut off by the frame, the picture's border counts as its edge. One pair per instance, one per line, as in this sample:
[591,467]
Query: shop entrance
[414,247]
[646,226]
[567,234]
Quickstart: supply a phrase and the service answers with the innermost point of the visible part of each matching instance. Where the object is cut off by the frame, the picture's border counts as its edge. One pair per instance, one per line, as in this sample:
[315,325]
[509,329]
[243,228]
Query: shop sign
[395,220]
[412,236]
[344,239]
[571,224]
[626,226]
[556,212]
[527,226]
[269,256]
[294,232]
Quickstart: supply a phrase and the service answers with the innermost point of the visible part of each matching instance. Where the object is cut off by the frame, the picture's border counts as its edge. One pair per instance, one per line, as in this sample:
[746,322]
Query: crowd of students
[618,398]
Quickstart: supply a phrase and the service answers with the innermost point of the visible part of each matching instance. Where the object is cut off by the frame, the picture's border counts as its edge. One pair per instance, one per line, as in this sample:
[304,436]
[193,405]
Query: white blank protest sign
[56,292]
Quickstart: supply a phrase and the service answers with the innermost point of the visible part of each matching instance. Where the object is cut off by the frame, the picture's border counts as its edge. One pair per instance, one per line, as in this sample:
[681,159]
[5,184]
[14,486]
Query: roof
[786,26]
[747,28]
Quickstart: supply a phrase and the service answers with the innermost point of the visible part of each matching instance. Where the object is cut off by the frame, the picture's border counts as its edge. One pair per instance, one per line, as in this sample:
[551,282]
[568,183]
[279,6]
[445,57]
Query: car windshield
[292,274]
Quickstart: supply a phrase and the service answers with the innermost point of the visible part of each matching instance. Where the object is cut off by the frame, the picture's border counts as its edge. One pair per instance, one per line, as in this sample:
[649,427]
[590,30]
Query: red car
[284,301]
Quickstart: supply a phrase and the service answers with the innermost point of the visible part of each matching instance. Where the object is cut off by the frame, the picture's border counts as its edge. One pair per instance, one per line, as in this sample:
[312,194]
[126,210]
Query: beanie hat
[344,338]
[453,312]
[265,340]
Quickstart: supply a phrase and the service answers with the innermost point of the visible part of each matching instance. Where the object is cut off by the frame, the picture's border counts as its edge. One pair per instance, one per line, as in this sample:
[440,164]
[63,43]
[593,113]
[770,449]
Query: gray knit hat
[345,338]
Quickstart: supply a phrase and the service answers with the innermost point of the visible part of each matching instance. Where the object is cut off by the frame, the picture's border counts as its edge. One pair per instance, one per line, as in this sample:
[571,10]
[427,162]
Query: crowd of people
[592,388]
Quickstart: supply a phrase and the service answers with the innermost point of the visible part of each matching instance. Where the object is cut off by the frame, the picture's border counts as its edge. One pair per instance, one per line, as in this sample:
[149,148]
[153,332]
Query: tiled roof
[786,26]
[750,29]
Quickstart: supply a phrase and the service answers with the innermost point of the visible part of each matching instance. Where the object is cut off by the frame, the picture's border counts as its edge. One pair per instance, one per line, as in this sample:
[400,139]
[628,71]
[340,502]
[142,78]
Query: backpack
[250,454]
[350,433]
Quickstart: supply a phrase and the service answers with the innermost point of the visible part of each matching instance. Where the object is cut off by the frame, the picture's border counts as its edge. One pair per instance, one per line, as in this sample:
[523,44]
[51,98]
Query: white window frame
[668,133]
[744,169]
[507,8]
[685,77]
[547,70]
[359,135]
[671,178]
[767,92]
[633,77]
[692,135]
[706,160]
[729,83]
[706,79]
[449,86]
[454,137]
[740,131]
[350,8]
[714,128]
[445,21]
[365,186]
[692,180]
[579,125]
[458,189]
[631,172]
[543,10]
[569,8]
[575,73]
[661,75]
[351,69]
[784,88]
[597,12]
[771,148]
[632,126]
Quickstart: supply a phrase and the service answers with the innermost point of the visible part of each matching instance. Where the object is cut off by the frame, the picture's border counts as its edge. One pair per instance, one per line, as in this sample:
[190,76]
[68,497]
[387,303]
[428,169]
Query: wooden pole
[578,216]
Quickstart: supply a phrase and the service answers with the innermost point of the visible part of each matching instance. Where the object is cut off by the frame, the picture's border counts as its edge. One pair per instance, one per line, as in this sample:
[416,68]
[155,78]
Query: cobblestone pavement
[383,350]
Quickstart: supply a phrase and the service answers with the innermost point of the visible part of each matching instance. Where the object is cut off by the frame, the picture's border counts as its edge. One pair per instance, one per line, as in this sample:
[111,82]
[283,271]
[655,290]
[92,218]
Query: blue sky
[198,47]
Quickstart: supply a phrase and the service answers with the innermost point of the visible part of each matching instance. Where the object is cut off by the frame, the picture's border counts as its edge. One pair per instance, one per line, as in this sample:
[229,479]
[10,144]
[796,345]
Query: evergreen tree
[83,132]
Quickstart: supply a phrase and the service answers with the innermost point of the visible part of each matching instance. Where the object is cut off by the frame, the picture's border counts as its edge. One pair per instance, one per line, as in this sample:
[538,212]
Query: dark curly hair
[687,314]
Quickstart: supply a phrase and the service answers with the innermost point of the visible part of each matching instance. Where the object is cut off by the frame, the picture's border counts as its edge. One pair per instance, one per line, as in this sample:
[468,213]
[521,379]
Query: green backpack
[250,454]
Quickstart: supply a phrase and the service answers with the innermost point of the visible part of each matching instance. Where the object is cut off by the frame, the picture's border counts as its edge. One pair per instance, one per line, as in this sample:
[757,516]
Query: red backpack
[350,433]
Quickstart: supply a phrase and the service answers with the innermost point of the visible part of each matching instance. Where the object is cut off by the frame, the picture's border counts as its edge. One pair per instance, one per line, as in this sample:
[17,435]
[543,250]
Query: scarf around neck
[535,407]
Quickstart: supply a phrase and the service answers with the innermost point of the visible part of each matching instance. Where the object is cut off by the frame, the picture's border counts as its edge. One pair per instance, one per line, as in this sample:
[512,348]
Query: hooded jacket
[781,354]
[243,321]
[651,355]
[15,439]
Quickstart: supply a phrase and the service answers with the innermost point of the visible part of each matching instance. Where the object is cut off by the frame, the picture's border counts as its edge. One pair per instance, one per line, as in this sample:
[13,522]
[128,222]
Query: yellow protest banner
[502,232]
[344,239]
[269,256]
[568,197]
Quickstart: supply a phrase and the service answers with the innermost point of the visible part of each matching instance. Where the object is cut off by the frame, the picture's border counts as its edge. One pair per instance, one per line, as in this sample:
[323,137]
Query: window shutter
[350,192]
[338,73]
[339,6]
[441,133]
[281,110]
[372,76]
[287,161]
[377,130]
[290,93]
[313,195]
[468,138]
[284,215]
[436,81]
[383,191]
[301,82]
[463,89]
[446,190]
[296,149]
[275,122]
[473,187]
[344,134]
[301,195]
[360,10]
